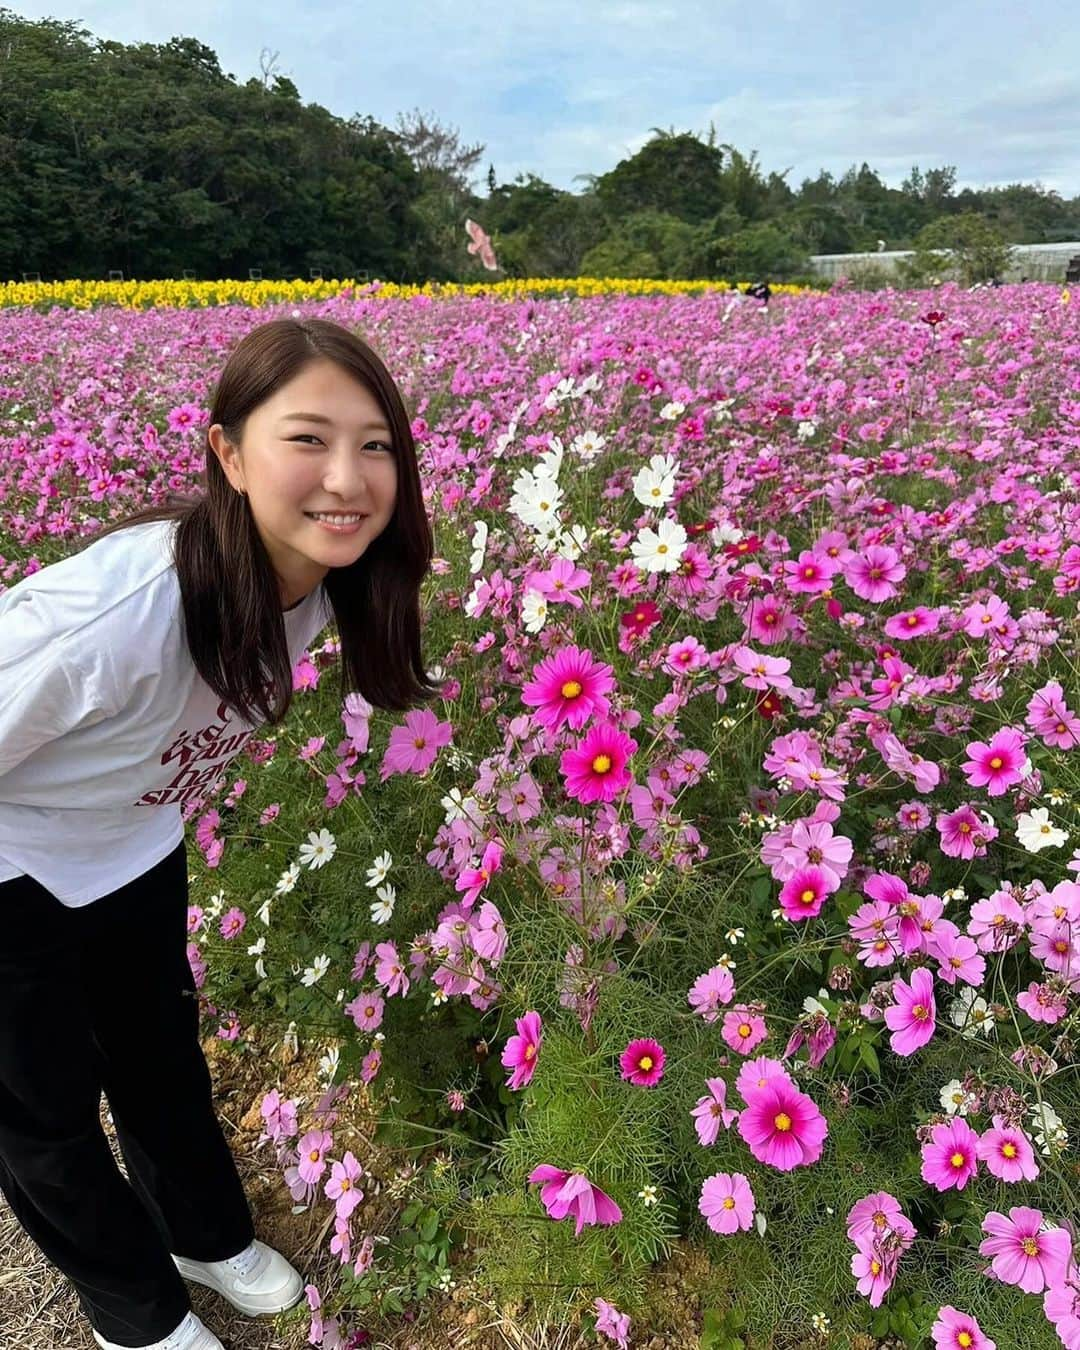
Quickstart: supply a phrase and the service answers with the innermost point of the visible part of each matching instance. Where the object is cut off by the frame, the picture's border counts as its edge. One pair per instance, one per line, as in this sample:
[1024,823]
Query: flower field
[731,892]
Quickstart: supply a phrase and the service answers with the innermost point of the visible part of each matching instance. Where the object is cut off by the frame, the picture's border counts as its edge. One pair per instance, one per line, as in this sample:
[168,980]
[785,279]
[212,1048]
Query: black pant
[102,998]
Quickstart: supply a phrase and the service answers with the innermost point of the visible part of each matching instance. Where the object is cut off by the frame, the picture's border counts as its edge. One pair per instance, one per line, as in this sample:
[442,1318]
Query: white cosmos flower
[533,611]
[215,905]
[457,806]
[670,411]
[318,850]
[314,973]
[807,431]
[288,879]
[382,910]
[379,869]
[652,488]
[257,948]
[572,542]
[536,503]
[725,534]
[1035,830]
[588,385]
[263,912]
[954,1099]
[1050,1134]
[588,445]
[659,550]
[971,1013]
[329,1062]
[479,546]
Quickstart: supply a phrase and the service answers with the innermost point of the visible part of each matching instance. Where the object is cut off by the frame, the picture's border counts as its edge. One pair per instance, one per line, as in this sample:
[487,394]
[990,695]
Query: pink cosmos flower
[712,1111]
[877,1216]
[950,1155]
[873,574]
[1007,1152]
[913,1017]
[233,923]
[811,843]
[1043,1002]
[559,582]
[762,672]
[964,834]
[758,1073]
[983,616]
[312,1150]
[743,1030]
[997,764]
[596,769]
[997,923]
[366,1011]
[1024,1252]
[874,1267]
[521,1051]
[710,990]
[727,1202]
[572,1193]
[390,970]
[912,623]
[782,1126]
[569,687]
[279,1115]
[642,1062]
[472,880]
[612,1323]
[1061,1304]
[685,655]
[959,959]
[804,893]
[414,747]
[1049,717]
[954,1330]
[342,1186]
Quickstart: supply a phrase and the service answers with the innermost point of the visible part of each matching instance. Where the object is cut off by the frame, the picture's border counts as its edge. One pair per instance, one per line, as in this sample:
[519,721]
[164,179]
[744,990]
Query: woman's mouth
[337,522]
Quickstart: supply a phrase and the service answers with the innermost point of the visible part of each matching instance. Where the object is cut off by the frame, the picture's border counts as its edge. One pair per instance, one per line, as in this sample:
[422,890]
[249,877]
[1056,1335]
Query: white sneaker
[257,1281]
[191,1334]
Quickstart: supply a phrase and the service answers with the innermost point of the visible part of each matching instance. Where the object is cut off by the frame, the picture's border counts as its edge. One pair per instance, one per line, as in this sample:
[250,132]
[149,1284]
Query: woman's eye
[379,445]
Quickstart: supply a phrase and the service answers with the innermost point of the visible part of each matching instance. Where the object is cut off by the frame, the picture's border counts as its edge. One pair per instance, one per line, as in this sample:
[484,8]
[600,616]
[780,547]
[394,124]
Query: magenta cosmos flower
[572,1193]
[782,1126]
[413,747]
[1024,1253]
[727,1202]
[950,1157]
[913,1017]
[963,833]
[877,1216]
[805,892]
[642,1062]
[569,687]
[596,769]
[521,1050]
[874,1266]
[472,880]
[1007,1152]
[997,764]
[955,1330]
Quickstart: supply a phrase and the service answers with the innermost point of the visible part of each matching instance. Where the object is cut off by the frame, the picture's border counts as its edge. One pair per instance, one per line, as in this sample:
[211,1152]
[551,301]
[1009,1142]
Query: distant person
[131,673]
[761,290]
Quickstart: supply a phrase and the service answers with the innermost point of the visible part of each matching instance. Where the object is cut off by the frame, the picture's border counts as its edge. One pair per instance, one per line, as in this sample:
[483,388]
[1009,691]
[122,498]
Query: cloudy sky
[569,87]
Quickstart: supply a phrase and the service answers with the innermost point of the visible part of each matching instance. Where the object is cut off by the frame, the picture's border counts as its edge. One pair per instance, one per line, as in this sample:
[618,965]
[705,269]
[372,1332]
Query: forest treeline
[148,158]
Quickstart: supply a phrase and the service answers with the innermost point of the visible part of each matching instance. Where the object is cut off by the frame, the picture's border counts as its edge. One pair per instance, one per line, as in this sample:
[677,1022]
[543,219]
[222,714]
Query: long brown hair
[231,601]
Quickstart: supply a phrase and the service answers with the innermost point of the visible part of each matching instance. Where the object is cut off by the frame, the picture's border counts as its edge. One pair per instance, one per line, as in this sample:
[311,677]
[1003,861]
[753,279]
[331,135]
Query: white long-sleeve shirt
[106,727]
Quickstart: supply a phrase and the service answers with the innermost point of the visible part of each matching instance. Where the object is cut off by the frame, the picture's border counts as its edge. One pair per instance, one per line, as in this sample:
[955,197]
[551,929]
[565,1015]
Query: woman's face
[319,490]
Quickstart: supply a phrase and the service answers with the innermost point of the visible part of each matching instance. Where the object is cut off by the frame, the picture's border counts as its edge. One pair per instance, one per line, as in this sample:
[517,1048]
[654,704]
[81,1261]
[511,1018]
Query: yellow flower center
[601,764]
[875,1267]
[571,689]
[920,1012]
[645,1062]
[964,1339]
[313,1156]
[996,762]
[1008,1150]
[744,1029]
[530,1051]
[782,1122]
[1030,1246]
[808,896]
[957,1160]
[729,1202]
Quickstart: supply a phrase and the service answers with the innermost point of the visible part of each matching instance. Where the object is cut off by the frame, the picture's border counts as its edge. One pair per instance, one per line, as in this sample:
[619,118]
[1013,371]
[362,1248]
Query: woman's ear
[228,456]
